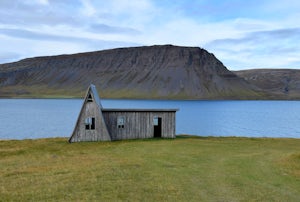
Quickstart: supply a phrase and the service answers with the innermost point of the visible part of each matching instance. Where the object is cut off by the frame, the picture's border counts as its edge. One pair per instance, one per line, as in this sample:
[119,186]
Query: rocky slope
[152,72]
[279,83]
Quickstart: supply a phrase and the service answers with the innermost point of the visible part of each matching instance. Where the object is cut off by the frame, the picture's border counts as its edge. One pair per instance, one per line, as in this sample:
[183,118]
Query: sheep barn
[96,123]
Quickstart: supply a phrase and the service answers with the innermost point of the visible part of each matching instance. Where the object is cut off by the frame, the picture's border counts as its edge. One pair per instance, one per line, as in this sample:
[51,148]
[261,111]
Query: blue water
[40,118]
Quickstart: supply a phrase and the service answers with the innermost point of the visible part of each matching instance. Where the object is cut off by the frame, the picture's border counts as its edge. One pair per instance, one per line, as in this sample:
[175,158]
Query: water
[40,118]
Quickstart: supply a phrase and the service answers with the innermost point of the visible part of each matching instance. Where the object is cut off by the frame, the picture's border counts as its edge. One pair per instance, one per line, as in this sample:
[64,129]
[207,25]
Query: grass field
[183,169]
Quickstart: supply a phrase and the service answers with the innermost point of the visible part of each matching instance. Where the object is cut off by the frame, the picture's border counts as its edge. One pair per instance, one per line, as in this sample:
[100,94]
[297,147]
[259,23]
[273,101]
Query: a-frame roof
[92,92]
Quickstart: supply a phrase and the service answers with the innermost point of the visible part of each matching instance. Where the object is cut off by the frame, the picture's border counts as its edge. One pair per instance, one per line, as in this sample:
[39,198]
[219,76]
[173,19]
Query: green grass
[183,169]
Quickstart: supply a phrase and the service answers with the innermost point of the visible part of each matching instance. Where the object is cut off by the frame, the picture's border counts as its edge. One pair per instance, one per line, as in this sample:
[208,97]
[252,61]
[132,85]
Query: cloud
[40,36]
[32,43]
[259,38]
[41,2]
[26,34]
[88,9]
[262,49]
[83,16]
[279,34]
[106,29]
[36,13]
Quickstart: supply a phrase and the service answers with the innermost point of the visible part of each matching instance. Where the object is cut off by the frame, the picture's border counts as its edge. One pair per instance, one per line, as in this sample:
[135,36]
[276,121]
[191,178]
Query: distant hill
[150,72]
[279,83]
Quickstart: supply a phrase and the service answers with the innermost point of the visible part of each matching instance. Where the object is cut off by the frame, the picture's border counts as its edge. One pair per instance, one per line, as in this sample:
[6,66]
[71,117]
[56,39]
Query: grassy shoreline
[187,168]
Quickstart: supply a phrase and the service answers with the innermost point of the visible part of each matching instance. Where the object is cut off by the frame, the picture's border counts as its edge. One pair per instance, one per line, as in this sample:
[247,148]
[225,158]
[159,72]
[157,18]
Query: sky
[241,34]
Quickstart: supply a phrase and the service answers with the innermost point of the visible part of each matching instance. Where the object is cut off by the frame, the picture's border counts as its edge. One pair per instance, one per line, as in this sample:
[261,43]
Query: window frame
[90,123]
[120,122]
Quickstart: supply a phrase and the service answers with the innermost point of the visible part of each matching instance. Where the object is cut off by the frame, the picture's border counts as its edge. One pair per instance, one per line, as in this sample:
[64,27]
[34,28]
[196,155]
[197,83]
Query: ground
[182,169]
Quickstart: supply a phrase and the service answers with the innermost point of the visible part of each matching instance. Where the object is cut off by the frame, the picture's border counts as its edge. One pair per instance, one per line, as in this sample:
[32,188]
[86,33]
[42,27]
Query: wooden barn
[96,123]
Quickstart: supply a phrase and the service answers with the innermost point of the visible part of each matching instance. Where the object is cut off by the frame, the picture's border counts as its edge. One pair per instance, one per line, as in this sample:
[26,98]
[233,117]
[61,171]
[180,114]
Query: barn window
[89,123]
[90,99]
[121,121]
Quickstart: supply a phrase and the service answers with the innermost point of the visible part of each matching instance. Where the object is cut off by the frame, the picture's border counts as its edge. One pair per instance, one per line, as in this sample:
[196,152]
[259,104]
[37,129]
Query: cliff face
[279,83]
[155,72]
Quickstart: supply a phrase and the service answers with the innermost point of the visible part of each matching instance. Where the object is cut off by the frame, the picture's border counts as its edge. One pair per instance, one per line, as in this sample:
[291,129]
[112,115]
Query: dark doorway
[157,126]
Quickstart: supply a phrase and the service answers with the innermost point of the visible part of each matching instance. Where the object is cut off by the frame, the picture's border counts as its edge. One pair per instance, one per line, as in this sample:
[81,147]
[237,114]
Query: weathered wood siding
[100,133]
[139,124]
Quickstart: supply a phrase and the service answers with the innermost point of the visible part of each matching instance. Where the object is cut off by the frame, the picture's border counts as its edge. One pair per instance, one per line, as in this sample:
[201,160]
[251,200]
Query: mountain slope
[154,72]
[280,83]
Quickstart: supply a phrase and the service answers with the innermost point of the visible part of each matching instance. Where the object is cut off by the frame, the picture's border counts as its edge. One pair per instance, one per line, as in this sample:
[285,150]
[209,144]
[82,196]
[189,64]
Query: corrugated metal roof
[138,110]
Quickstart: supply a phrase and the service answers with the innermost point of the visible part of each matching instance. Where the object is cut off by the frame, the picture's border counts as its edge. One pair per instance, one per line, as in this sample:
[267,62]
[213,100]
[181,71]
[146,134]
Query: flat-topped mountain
[279,83]
[151,72]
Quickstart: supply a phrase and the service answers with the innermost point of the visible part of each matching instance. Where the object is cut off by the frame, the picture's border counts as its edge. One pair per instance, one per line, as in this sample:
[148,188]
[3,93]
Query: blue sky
[242,34]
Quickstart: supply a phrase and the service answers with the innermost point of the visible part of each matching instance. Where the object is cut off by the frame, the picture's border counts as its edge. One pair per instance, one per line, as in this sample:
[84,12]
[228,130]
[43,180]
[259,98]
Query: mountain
[150,72]
[279,83]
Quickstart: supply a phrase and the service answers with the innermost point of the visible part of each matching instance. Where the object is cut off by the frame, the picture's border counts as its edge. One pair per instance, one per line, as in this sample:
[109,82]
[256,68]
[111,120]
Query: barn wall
[100,133]
[138,124]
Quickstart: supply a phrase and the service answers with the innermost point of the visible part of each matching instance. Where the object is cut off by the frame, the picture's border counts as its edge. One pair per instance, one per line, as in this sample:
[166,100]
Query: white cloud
[248,24]
[40,2]
[43,2]
[129,6]
[262,49]
[88,9]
